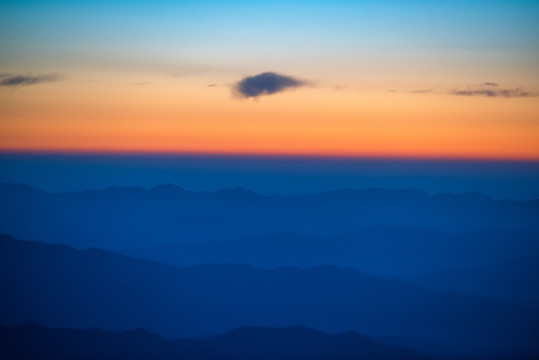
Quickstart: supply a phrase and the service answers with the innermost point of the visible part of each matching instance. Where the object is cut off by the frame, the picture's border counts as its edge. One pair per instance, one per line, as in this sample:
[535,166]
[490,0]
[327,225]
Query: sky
[369,78]
[433,83]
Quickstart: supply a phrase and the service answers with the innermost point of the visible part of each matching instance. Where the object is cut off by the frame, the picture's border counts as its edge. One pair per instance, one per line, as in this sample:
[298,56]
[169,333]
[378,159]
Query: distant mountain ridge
[126,218]
[388,251]
[58,286]
[32,341]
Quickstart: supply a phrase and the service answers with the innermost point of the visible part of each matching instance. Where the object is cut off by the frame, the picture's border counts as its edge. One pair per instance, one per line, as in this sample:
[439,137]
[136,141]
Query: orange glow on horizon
[309,122]
[304,154]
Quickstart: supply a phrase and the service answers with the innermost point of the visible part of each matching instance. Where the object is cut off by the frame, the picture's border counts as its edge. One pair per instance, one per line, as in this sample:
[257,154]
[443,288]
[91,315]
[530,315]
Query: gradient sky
[385,78]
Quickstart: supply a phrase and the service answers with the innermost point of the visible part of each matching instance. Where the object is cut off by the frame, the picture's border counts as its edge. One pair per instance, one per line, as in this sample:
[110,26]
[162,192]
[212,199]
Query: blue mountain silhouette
[124,218]
[58,286]
[388,251]
[32,341]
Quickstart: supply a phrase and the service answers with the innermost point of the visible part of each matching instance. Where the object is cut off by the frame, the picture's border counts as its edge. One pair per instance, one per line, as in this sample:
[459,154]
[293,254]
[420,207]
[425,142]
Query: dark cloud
[490,84]
[212,85]
[14,80]
[493,91]
[265,84]
[421,91]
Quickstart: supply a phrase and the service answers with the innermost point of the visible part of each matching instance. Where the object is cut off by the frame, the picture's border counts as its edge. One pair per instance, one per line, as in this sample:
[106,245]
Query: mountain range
[387,251]
[236,274]
[58,286]
[121,219]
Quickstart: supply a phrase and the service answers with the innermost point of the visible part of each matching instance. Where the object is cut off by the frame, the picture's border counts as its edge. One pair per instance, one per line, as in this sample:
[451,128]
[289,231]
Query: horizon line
[261,193]
[269,155]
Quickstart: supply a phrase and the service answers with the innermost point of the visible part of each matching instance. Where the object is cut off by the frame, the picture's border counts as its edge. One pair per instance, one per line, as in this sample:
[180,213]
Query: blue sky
[319,37]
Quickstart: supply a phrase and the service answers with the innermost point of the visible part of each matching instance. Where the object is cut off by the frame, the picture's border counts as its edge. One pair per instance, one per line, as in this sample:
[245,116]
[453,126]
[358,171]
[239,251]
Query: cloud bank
[267,83]
[15,80]
[491,89]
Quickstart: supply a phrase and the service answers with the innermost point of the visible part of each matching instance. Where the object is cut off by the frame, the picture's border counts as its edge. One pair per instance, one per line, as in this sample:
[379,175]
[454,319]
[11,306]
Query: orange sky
[380,77]
[185,115]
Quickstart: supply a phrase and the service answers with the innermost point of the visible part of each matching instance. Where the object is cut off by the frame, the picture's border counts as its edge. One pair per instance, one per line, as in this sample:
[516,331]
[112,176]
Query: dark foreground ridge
[32,341]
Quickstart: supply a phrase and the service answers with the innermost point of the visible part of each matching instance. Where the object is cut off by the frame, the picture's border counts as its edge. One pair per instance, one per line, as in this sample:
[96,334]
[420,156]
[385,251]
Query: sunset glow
[159,78]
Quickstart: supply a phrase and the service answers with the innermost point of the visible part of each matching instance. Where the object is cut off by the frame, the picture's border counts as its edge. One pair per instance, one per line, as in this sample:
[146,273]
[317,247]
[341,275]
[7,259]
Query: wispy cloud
[16,80]
[487,89]
[491,89]
[417,91]
[265,84]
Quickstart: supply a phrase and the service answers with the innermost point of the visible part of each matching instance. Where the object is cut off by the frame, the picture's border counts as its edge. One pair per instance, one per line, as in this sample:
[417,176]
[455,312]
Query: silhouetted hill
[388,251]
[121,218]
[32,341]
[58,286]
[515,280]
